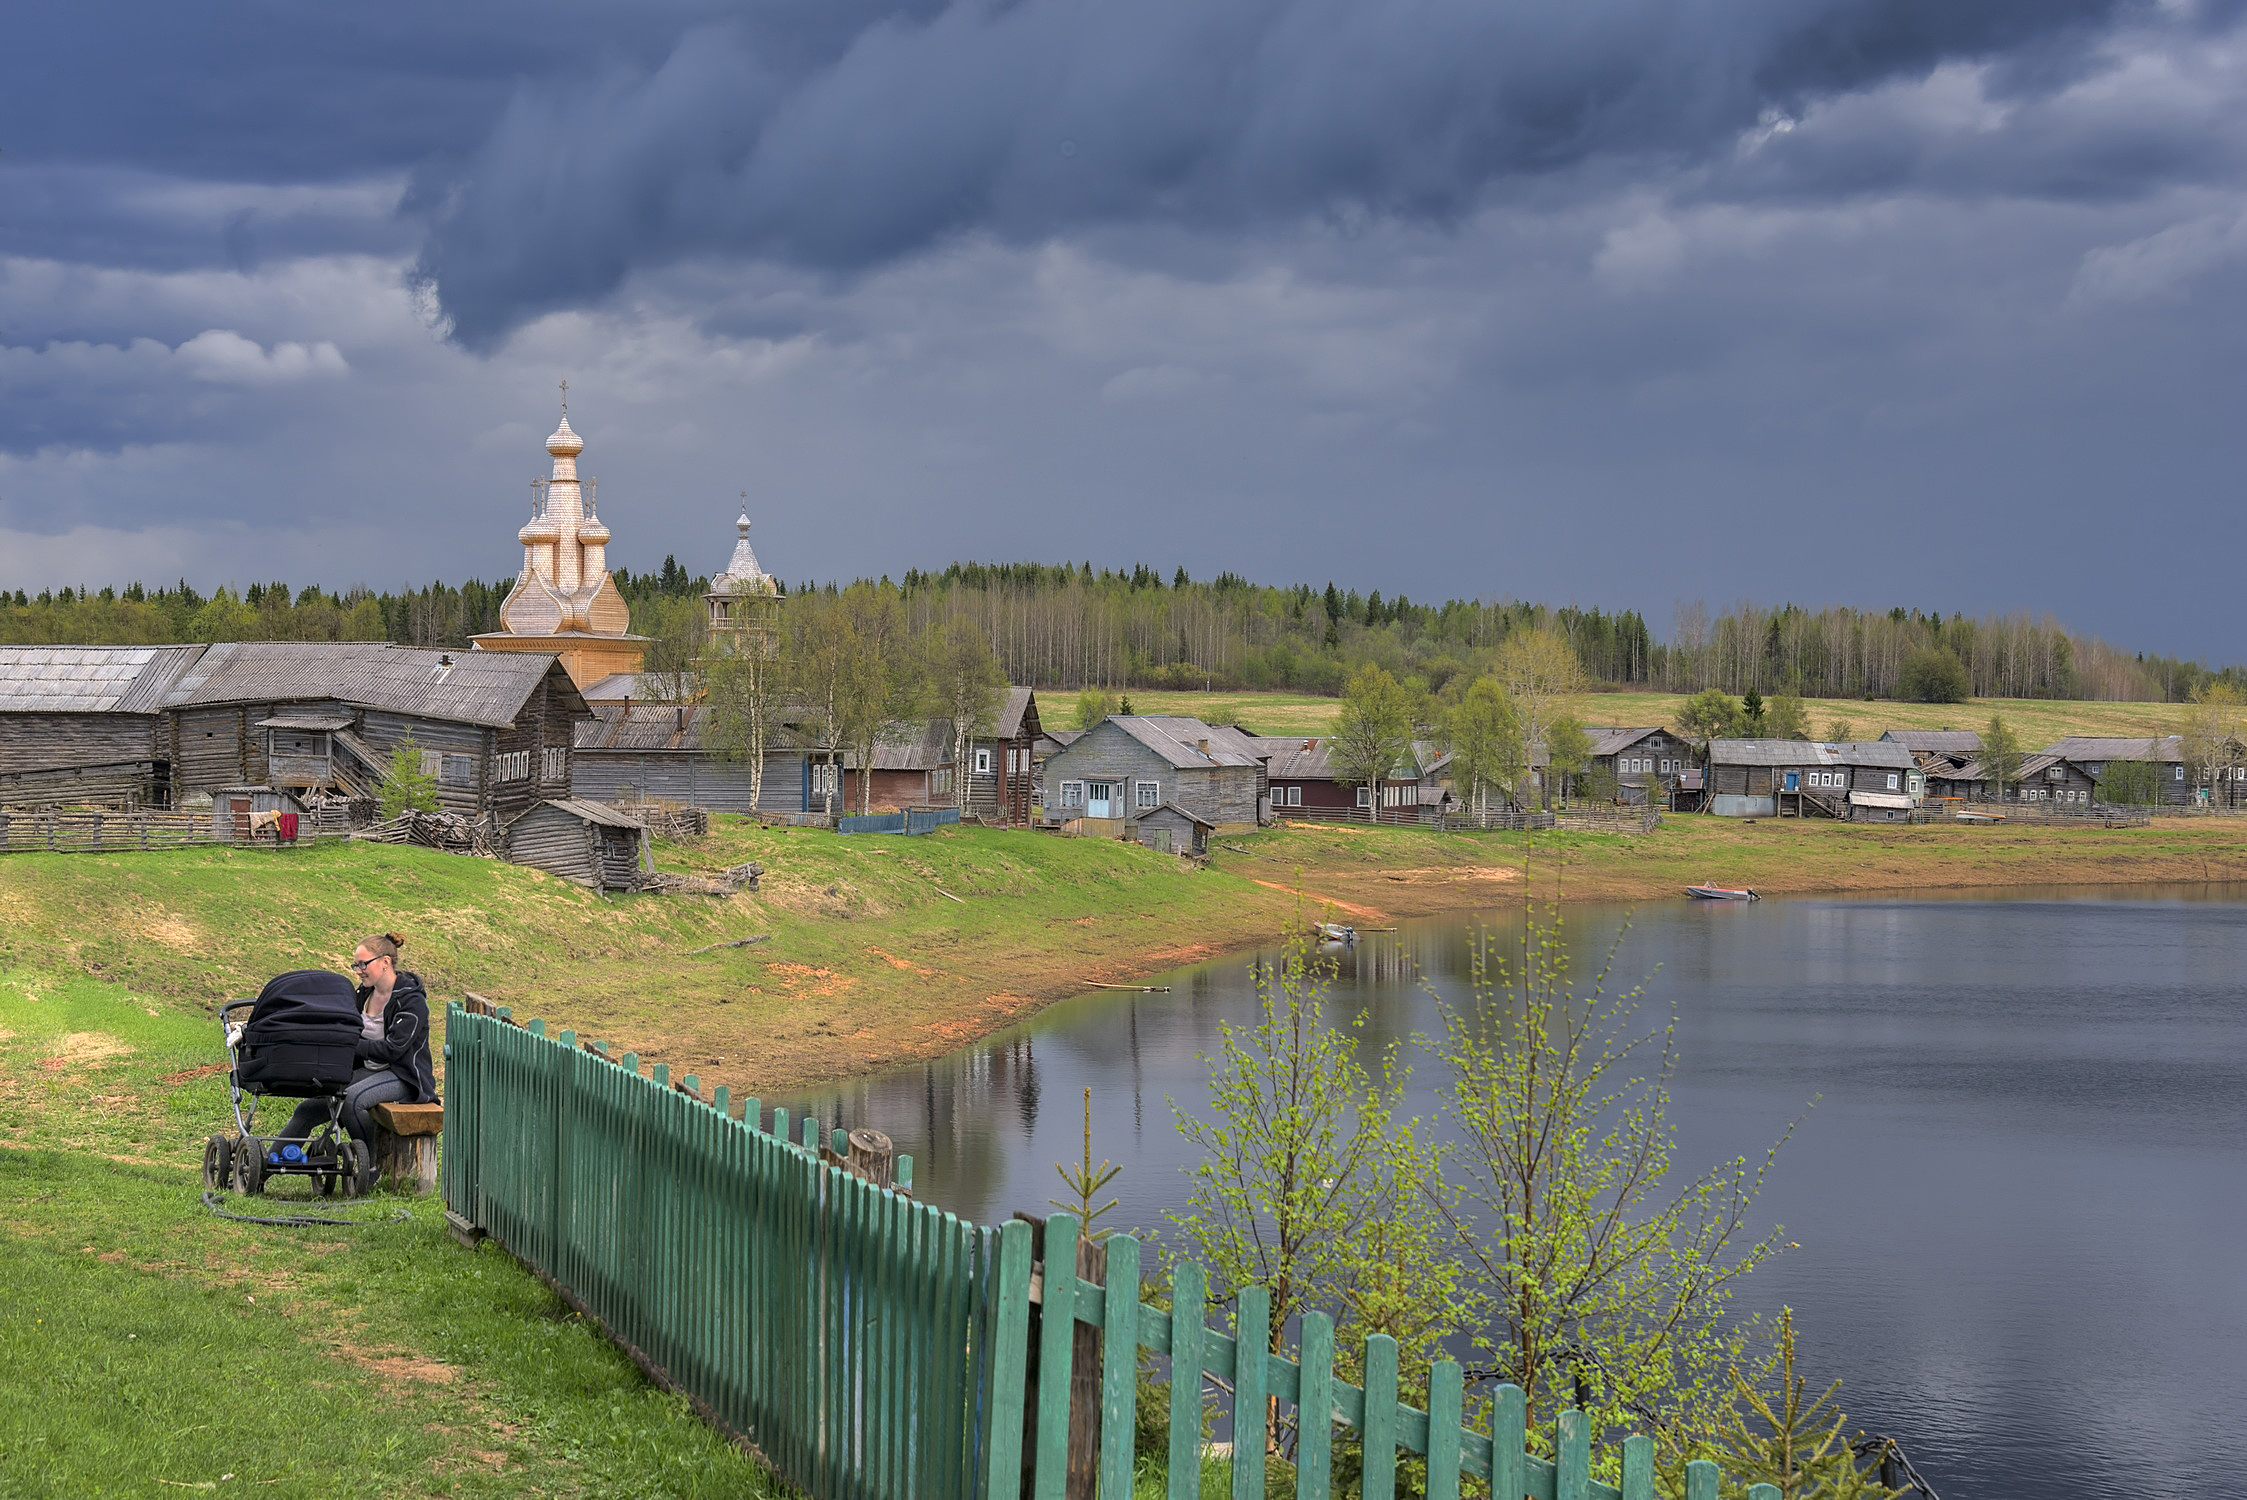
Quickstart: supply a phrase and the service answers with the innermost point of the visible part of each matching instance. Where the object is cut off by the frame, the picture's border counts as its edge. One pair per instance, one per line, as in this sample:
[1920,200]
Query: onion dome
[565,443]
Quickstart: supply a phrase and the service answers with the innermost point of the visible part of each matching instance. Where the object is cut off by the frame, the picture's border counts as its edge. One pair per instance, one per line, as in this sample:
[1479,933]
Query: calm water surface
[2021,1199]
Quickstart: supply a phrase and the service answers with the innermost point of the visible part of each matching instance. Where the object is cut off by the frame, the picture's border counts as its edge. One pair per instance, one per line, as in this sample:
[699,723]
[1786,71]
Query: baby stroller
[299,1041]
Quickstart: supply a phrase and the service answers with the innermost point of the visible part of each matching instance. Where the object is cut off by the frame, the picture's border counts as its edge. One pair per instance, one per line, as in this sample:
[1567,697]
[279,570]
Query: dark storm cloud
[1051,115]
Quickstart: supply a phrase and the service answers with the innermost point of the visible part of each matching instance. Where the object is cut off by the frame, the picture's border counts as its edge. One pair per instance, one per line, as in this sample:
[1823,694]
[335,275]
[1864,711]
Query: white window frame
[1365,796]
[983,760]
[2177,772]
[557,766]
[1894,781]
[1294,796]
[1072,794]
[1147,795]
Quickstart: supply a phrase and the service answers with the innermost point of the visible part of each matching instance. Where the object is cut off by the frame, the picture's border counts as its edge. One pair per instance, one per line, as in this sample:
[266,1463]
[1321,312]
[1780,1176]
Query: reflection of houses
[1639,758]
[1863,781]
[1131,765]
[150,725]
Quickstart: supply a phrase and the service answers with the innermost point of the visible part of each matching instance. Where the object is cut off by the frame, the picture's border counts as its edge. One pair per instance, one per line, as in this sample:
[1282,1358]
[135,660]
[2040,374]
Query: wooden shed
[84,724]
[588,842]
[1172,830]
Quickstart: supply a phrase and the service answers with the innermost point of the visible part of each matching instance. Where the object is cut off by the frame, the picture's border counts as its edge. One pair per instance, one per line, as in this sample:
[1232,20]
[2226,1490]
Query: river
[2020,1200]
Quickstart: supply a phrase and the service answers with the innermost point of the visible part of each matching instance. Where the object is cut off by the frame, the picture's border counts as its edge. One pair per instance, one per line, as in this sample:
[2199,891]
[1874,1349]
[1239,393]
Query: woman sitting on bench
[394,1064]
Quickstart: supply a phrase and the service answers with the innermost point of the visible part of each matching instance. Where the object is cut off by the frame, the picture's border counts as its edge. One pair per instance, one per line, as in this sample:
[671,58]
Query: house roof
[1168,806]
[1019,701]
[2081,747]
[591,812]
[1615,741]
[1937,741]
[485,688]
[640,727]
[1880,799]
[1886,754]
[90,679]
[1061,738]
[1305,758]
[1180,741]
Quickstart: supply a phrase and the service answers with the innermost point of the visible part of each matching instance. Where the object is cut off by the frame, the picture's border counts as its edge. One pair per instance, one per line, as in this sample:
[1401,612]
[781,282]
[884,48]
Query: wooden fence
[872,1345]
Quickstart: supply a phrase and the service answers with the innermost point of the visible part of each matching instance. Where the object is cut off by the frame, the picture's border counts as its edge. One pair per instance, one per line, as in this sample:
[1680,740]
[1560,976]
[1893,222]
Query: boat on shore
[1333,932]
[1722,893]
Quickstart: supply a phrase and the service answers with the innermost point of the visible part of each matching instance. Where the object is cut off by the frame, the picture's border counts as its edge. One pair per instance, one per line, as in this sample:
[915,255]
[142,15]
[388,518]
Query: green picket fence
[874,1346]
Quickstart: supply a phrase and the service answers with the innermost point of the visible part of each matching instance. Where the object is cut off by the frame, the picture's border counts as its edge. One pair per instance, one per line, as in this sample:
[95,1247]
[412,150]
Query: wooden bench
[405,1144]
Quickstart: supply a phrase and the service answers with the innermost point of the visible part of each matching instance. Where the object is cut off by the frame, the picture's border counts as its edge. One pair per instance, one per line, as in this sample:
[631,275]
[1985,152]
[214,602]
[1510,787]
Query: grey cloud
[1048,116]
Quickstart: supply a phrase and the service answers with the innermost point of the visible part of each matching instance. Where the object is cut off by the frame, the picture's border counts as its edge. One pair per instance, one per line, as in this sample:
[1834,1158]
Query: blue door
[1794,781]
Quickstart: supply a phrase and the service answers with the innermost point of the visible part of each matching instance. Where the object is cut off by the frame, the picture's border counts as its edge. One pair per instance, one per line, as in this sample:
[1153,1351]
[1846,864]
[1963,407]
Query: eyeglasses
[360,965]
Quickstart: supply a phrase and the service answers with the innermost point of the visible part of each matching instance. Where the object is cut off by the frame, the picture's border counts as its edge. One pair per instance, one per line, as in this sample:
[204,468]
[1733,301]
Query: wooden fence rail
[872,1345]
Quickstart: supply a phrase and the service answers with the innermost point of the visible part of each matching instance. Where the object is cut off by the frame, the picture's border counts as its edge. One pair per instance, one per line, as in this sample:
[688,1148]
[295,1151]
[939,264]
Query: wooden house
[1640,761]
[1859,780]
[912,768]
[588,842]
[646,752]
[1002,765]
[2092,754]
[151,725]
[1132,764]
[1938,751]
[1302,782]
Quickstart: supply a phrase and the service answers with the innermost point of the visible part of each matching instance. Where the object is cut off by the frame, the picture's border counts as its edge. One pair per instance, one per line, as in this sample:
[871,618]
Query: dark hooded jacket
[403,1047]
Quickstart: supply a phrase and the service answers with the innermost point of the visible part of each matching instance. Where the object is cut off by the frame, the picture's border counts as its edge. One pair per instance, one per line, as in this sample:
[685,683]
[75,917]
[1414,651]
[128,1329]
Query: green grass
[2037,721]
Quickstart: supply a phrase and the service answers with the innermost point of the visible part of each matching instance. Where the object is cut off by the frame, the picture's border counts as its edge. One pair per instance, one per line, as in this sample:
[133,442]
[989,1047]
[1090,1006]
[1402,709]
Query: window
[2177,773]
[557,766]
[513,765]
[1365,796]
[940,782]
[1150,794]
[432,763]
[460,770]
[982,760]
[1894,781]
[825,779]
[1072,794]
[1294,796]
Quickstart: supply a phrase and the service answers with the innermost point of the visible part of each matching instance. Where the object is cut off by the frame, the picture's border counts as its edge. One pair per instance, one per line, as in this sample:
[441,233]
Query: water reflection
[2019,1201]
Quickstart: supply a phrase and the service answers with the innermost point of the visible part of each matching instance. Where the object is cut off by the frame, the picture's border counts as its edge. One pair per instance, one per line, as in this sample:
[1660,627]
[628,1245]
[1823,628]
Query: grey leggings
[368,1088]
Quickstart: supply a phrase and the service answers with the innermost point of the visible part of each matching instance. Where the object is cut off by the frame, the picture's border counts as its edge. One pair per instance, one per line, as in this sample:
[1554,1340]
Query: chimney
[1202,746]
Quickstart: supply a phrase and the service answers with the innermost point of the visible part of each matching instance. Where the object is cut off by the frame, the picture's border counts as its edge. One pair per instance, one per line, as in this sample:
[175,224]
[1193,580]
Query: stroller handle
[233,1005]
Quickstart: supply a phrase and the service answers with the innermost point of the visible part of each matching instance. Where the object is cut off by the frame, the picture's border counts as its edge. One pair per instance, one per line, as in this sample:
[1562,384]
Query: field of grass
[152,1346]
[2036,721]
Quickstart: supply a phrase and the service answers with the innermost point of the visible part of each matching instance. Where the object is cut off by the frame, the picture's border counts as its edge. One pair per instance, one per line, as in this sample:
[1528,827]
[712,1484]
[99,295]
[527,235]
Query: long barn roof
[485,688]
[90,679]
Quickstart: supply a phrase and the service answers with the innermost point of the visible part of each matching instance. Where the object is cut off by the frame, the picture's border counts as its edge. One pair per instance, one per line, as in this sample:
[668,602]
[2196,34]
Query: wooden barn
[1170,829]
[86,725]
[2092,754]
[647,752]
[588,842]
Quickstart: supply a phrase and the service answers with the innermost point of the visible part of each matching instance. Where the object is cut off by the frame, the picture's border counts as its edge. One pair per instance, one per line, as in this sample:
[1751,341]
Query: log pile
[727,881]
[448,833]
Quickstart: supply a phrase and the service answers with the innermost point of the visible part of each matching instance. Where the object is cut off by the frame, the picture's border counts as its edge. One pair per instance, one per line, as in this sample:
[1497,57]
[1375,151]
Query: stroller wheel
[218,1163]
[249,1166]
[363,1174]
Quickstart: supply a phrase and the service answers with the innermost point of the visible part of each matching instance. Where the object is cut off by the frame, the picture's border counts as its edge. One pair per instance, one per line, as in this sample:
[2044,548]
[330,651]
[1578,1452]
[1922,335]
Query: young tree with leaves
[1372,733]
[1786,718]
[2001,757]
[1309,1185]
[1093,705]
[405,786]
[1607,1281]
[1777,1434]
[678,631]
[820,645]
[968,687]
[878,686]
[1541,672]
[2211,739]
[745,695]
[1711,714]
[1487,752]
[1568,753]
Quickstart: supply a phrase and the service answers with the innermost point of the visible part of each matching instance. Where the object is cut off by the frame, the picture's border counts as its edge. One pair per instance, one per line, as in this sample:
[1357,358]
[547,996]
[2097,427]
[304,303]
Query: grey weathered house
[1170,829]
[1128,765]
[2092,754]
[1860,780]
[1938,751]
[1639,759]
[1002,765]
[155,724]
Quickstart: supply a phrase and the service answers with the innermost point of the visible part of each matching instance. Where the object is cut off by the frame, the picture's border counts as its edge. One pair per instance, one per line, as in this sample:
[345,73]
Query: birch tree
[746,697]
[1540,672]
[969,687]
[2001,756]
[1372,733]
[877,688]
[2211,738]
[1487,750]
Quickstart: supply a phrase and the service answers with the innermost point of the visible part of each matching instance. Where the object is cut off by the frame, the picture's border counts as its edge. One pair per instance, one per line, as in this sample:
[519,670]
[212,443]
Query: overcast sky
[1619,302]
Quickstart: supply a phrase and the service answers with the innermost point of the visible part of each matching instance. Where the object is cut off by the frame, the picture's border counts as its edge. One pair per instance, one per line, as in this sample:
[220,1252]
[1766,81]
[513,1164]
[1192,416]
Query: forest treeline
[1069,626]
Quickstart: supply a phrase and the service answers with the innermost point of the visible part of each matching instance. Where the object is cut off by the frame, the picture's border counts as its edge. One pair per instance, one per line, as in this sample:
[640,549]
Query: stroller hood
[305,1002]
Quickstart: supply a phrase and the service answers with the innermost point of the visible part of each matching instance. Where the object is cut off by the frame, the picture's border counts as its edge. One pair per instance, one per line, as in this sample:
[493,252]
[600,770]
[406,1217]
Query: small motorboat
[1333,932]
[1721,893]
